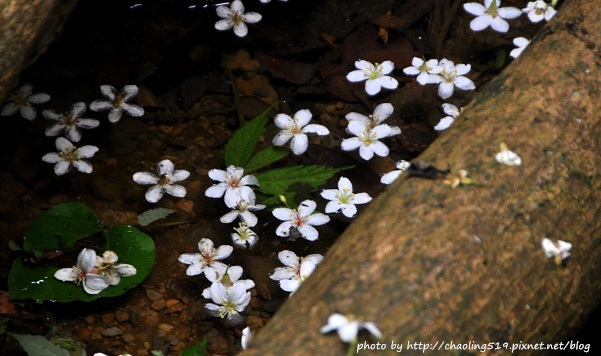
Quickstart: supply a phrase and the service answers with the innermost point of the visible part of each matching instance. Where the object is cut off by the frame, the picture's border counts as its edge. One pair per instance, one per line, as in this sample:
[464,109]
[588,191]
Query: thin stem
[352,347]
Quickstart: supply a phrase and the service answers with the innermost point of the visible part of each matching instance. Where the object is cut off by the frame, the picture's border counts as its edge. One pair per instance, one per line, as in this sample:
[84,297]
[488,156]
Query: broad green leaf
[60,226]
[37,345]
[241,146]
[37,282]
[276,181]
[152,215]
[197,349]
[264,157]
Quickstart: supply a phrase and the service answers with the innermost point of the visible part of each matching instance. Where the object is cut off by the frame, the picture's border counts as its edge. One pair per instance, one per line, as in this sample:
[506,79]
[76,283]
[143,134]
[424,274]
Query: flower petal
[83,166]
[288,258]
[100,105]
[175,190]
[62,167]
[115,114]
[39,98]
[308,232]
[132,109]
[145,178]
[154,194]
[480,23]
[372,86]
[356,76]
[299,144]
[66,274]
[87,151]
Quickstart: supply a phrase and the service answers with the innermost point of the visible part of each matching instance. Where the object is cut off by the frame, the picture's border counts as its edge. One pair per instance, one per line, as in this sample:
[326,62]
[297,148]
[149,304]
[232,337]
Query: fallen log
[26,30]
[430,263]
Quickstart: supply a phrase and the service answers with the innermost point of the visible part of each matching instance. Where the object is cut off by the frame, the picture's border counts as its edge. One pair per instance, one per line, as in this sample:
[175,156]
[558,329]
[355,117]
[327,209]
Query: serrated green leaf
[61,226]
[276,181]
[37,345]
[197,349]
[36,282]
[152,215]
[241,146]
[264,157]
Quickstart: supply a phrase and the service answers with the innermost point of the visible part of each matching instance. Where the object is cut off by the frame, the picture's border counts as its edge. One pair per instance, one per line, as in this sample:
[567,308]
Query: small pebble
[112,332]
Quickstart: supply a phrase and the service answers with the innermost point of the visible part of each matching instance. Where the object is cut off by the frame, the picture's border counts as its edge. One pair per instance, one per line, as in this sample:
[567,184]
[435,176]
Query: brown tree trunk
[429,263]
[27,27]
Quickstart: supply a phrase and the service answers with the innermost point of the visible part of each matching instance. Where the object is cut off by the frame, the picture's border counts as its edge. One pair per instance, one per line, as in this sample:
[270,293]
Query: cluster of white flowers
[390,177]
[444,73]
[452,111]
[228,292]
[96,273]
[559,250]
[297,269]
[491,14]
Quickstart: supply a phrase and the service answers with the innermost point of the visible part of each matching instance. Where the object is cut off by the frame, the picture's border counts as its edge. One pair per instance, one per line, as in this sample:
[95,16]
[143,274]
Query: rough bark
[429,263]
[26,30]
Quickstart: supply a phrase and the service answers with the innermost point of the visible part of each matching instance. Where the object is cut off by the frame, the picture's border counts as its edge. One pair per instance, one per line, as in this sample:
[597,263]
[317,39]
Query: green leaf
[60,226]
[241,146]
[276,181]
[37,282]
[264,157]
[197,349]
[152,215]
[37,345]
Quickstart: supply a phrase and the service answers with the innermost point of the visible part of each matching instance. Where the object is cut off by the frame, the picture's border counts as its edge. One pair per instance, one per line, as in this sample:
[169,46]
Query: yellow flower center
[70,154]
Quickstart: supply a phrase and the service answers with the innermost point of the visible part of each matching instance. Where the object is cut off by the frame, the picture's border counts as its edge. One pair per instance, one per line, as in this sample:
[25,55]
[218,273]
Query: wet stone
[263,291]
[146,318]
[273,305]
[216,343]
[254,322]
[128,338]
[153,295]
[158,305]
[89,319]
[121,316]
[112,331]
[107,318]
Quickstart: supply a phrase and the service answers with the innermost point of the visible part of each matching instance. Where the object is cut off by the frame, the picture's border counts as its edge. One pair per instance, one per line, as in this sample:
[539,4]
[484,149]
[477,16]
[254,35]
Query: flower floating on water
[69,122]
[21,101]
[118,102]
[111,270]
[302,219]
[390,177]
[381,113]
[452,76]
[297,129]
[208,257]
[376,76]
[233,184]
[70,155]
[348,328]
[293,264]
[452,112]
[291,285]
[426,71]
[229,277]
[344,199]
[539,10]
[235,17]
[460,178]
[85,272]
[367,140]
[228,303]
[507,157]
[521,43]
[490,14]
[244,237]
[559,250]
[164,182]
[244,212]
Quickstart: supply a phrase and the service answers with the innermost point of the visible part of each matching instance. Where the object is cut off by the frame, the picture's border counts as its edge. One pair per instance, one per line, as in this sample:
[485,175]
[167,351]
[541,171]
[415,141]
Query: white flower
[243,212]
[111,270]
[21,101]
[452,76]
[208,257]
[118,102]
[426,71]
[390,177]
[85,271]
[244,237]
[348,328]
[521,43]
[539,10]
[293,264]
[228,303]
[234,184]
[490,14]
[70,155]
[291,285]
[69,122]
[164,182]
[452,112]
[381,113]
[302,219]
[376,76]
[367,140]
[344,198]
[508,157]
[235,17]
[559,250]
[266,2]
[246,334]
[297,129]
[228,277]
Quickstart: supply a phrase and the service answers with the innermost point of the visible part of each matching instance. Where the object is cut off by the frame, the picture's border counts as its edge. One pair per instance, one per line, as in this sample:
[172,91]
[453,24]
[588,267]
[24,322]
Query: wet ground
[198,86]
